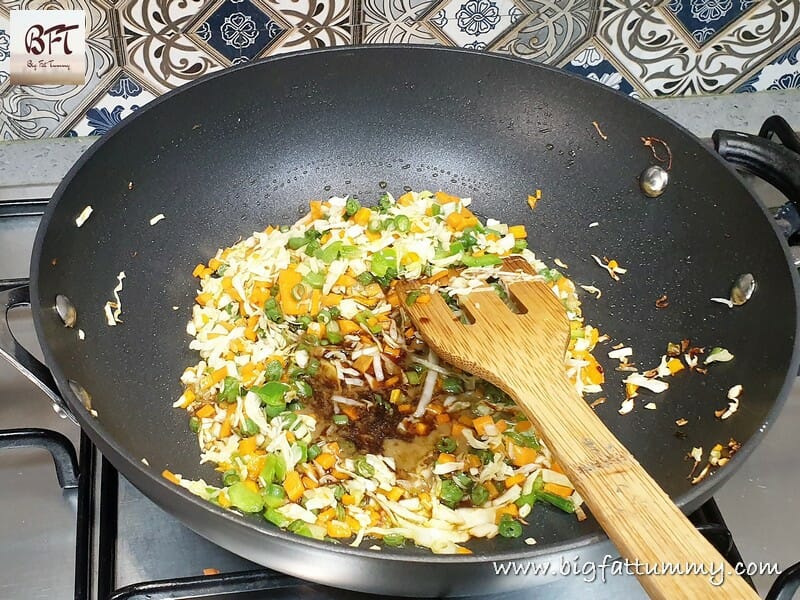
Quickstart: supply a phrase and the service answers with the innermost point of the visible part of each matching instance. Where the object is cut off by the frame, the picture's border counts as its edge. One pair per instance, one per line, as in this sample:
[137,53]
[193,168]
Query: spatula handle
[639,518]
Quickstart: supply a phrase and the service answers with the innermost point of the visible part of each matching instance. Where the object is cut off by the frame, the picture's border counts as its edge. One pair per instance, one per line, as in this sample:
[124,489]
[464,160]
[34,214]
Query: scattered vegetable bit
[726,301]
[560,263]
[718,354]
[599,131]
[593,290]
[597,402]
[612,266]
[626,407]
[157,218]
[681,422]
[662,302]
[84,216]
[532,200]
[733,403]
[113,310]
[650,406]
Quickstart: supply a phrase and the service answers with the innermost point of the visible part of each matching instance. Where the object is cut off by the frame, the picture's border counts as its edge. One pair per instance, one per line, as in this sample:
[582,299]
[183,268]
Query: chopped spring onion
[508,527]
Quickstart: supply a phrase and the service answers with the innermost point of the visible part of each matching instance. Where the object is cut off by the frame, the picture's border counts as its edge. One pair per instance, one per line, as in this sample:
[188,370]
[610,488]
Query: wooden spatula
[523,354]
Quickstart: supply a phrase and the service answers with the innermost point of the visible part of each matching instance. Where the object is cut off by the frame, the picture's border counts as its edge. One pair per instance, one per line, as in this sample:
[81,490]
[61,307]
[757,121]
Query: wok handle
[22,360]
[776,164]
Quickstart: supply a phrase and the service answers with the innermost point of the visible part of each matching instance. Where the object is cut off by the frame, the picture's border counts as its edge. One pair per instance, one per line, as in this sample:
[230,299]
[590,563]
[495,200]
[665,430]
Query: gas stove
[83,531]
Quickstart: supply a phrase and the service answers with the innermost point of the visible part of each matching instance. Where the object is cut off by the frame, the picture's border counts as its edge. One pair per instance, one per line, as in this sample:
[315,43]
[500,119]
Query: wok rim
[146,480]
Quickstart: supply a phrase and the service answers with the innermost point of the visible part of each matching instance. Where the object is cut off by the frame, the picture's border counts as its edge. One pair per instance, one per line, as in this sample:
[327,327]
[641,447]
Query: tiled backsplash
[138,49]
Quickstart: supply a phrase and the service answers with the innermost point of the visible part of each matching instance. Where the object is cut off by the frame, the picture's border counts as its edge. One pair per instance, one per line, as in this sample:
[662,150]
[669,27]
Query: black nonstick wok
[238,150]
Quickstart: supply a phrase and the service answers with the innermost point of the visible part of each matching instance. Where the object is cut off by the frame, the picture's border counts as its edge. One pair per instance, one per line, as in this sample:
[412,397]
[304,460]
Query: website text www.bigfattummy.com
[610,567]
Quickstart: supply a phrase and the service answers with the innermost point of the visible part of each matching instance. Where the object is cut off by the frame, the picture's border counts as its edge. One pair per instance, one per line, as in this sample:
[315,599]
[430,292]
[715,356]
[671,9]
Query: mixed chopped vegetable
[325,412]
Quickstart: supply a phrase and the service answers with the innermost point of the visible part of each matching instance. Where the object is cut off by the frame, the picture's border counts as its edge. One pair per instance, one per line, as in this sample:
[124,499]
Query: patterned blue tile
[704,18]
[475,24]
[781,74]
[239,30]
[124,96]
[5,56]
[590,63]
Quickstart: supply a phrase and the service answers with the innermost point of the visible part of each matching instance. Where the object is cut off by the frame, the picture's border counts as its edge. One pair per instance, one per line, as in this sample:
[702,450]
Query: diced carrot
[309,483]
[518,231]
[445,457]
[290,437]
[337,529]
[510,510]
[293,486]
[674,365]
[362,215]
[395,494]
[346,327]
[315,207]
[594,371]
[465,420]
[325,516]
[406,199]
[346,280]
[463,550]
[223,500]
[630,390]
[437,276]
[444,197]
[409,333]
[405,409]
[319,330]
[351,412]
[473,461]
[515,480]
[421,428]
[340,475]
[492,488]
[198,270]
[210,571]
[457,429]
[409,258]
[348,499]
[170,476]
[501,425]
[325,460]
[206,411]
[522,426]
[204,298]
[423,298]
[352,523]
[363,363]
[254,467]
[373,235]
[480,423]
[251,485]
[435,408]
[287,280]
[219,375]
[520,455]
[247,445]
[557,468]
[332,299]
[442,419]
[226,428]
[559,490]
[326,237]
